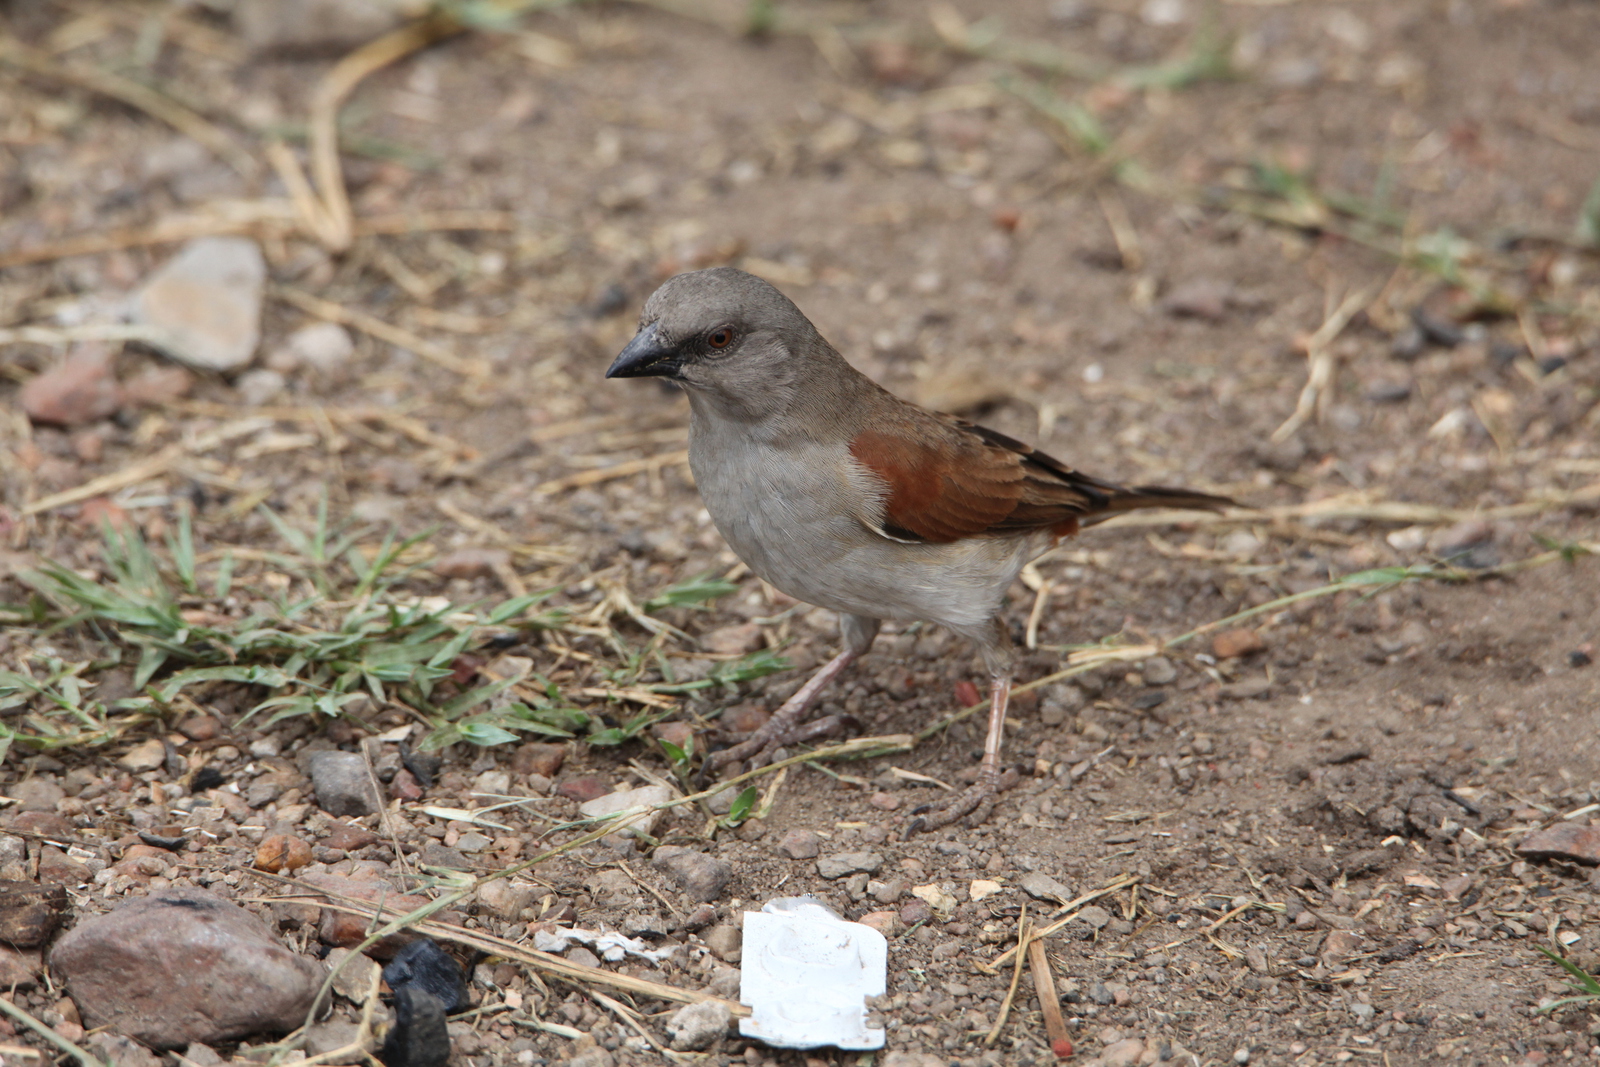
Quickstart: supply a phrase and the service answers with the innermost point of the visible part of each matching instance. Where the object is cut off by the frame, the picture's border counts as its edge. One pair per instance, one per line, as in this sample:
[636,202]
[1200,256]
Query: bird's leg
[979,797]
[784,727]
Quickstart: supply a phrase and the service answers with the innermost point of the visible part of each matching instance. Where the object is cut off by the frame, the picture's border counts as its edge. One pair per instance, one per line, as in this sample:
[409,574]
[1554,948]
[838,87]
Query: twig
[1041,598]
[360,1045]
[1122,231]
[1319,356]
[269,214]
[1087,660]
[1044,985]
[87,1059]
[620,470]
[621,1011]
[1361,506]
[1072,906]
[1024,934]
[66,335]
[330,95]
[383,331]
[314,217]
[145,469]
[140,97]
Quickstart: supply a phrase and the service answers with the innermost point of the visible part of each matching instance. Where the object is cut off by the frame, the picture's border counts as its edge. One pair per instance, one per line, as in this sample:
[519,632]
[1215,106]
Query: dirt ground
[1315,839]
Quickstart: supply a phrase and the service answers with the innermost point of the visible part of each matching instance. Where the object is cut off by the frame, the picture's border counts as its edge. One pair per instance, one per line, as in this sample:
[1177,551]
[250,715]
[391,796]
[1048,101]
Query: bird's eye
[721,337]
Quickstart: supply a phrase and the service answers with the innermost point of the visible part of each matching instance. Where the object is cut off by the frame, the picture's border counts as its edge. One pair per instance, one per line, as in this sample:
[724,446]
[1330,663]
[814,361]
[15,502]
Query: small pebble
[800,844]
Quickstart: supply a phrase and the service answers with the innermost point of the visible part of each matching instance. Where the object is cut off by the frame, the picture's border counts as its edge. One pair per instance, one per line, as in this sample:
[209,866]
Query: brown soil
[1367,774]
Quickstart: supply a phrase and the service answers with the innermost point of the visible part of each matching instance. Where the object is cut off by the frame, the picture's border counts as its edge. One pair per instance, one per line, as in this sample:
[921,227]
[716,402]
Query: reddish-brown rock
[181,966]
[282,852]
[1231,644]
[1564,841]
[348,837]
[583,789]
[81,388]
[538,757]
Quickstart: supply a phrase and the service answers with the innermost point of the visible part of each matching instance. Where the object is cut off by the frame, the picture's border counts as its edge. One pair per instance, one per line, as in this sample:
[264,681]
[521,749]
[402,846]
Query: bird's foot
[763,746]
[975,804]
[787,725]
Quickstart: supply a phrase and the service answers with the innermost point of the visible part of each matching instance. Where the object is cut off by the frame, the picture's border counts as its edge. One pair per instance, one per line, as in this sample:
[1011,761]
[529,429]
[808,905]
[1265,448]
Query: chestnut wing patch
[963,481]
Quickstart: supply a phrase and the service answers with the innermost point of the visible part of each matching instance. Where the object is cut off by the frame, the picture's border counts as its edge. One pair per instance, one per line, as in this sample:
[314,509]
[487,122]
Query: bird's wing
[946,479]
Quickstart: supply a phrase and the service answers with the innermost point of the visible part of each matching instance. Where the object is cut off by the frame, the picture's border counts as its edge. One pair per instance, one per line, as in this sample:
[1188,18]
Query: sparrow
[841,494]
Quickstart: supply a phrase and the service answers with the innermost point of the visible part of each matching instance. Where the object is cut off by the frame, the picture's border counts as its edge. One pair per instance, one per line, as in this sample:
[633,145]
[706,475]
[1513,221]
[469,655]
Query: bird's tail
[1158,496]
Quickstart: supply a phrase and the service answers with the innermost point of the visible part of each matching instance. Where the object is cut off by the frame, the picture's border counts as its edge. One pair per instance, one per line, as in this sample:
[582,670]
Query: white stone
[203,307]
[629,800]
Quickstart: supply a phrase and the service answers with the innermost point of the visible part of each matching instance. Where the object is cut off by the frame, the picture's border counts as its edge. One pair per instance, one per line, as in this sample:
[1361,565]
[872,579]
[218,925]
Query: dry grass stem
[330,95]
[85,1059]
[620,470]
[1071,912]
[139,97]
[1122,229]
[621,1011]
[383,331]
[360,1047]
[1321,360]
[144,469]
[1024,934]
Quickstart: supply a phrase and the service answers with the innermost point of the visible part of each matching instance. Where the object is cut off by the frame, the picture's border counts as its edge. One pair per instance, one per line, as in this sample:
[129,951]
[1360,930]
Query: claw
[785,726]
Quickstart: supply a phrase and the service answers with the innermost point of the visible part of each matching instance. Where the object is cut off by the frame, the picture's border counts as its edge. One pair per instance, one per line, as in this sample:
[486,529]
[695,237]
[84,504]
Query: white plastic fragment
[610,946]
[806,974]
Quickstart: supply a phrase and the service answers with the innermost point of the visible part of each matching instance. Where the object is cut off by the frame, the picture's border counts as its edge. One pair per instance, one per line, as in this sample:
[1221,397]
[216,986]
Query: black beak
[645,357]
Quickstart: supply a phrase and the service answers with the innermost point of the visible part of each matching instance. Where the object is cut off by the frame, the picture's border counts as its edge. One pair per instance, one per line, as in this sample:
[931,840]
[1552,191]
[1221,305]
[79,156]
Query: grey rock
[1061,702]
[725,942]
[725,982]
[1158,670]
[202,1055]
[329,1035]
[36,794]
[204,305]
[842,863]
[701,876]
[1041,886]
[342,784]
[800,844]
[119,1051]
[354,979]
[436,855]
[694,1027]
[182,966]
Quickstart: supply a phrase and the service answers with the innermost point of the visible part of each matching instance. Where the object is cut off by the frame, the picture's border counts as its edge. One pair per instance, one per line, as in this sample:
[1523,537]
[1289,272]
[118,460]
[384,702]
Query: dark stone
[30,913]
[424,965]
[419,1037]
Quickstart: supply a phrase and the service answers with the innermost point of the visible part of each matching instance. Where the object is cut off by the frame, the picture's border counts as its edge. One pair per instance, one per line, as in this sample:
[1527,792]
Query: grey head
[731,339]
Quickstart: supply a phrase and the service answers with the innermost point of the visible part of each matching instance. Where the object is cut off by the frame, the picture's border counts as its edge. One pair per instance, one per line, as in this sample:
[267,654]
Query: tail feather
[1160,496]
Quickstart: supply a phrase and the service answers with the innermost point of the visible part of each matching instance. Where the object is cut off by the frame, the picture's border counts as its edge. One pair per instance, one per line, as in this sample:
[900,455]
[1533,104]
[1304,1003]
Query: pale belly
[790,523]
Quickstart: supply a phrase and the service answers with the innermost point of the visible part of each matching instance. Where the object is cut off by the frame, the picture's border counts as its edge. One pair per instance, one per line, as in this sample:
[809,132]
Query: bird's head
[726,336]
